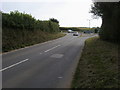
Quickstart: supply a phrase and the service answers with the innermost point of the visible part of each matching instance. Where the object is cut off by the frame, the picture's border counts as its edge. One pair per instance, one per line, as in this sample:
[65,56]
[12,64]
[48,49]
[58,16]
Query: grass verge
[98,66]
[12,40]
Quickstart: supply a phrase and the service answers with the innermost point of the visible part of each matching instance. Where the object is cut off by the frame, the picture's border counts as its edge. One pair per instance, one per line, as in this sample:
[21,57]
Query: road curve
[47,65]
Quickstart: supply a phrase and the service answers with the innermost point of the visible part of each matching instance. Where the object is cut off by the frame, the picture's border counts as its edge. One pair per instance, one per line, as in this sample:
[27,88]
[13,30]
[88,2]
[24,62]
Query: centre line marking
[13,65]
[52,48]
[60,77]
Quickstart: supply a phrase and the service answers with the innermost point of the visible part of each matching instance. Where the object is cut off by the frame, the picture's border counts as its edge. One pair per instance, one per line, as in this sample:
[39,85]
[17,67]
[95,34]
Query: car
[70,31]
[75,34]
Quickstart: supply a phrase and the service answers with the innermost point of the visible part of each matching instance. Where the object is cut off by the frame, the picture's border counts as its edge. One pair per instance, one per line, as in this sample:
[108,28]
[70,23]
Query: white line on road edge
[13,65]
[52,48]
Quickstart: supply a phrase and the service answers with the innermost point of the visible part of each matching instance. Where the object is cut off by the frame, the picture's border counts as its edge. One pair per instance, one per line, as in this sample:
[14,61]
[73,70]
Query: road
[48,65]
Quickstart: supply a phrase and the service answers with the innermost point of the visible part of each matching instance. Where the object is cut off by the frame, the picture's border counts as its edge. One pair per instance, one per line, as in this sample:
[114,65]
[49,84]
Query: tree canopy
[110,14]
[54,20]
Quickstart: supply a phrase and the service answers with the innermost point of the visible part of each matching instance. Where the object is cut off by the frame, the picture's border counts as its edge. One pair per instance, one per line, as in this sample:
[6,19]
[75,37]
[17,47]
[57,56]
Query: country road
[47,65]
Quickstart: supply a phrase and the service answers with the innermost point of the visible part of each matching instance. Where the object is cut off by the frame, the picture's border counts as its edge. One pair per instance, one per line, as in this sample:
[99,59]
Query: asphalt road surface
[48,65]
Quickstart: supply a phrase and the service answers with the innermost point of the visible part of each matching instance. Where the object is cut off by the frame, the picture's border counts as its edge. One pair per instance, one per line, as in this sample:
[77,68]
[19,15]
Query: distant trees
[70,28]
[110,14]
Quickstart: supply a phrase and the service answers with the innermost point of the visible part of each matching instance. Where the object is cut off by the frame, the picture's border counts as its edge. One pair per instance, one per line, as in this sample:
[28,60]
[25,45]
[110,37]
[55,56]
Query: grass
[98,66]
[86,35]
[12,40]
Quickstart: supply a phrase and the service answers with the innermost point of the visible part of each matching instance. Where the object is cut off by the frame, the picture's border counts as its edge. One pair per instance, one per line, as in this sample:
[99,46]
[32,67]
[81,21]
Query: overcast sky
[70,13]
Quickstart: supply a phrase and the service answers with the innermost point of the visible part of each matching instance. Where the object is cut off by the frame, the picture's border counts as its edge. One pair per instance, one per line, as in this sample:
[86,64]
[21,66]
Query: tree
[54,20]
[96,30]
[109,12]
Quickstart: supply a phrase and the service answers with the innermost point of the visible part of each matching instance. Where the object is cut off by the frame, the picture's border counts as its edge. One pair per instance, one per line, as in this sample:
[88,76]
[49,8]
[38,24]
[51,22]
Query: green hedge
[17,20]
[21,29]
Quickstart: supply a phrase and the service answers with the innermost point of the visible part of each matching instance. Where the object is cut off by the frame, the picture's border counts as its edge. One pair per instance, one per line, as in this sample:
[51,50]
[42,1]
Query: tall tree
[110,14]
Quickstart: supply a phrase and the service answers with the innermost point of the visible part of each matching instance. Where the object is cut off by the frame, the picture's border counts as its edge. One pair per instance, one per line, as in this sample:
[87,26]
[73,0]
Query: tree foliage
[54,20]
[17,20]
[21,29]
[110,14]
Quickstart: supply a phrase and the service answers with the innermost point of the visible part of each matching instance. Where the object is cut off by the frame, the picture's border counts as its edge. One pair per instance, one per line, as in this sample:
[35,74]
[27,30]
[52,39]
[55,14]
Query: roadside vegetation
[22,21]
[14,40]
[98,66]
[79,29]
[21,29]
[99,63]
[110,14]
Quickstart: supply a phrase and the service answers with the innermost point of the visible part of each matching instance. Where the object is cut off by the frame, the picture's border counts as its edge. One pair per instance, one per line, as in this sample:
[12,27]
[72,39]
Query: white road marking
[13,65]
[52,48]
[30,46]
[60,77]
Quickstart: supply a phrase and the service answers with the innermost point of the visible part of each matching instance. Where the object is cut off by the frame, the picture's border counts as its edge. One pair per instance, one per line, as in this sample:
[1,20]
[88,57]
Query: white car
[75,34]
[70,31]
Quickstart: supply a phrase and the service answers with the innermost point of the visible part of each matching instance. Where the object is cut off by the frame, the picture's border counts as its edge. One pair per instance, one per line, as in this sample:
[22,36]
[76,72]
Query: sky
[69,13]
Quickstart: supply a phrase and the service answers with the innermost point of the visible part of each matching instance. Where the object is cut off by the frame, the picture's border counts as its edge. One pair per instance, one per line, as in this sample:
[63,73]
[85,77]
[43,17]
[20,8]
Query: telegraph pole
[89,22]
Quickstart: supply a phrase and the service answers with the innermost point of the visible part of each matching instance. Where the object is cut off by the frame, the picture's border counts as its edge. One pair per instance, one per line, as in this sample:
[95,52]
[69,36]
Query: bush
[17,20]
[21,29]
